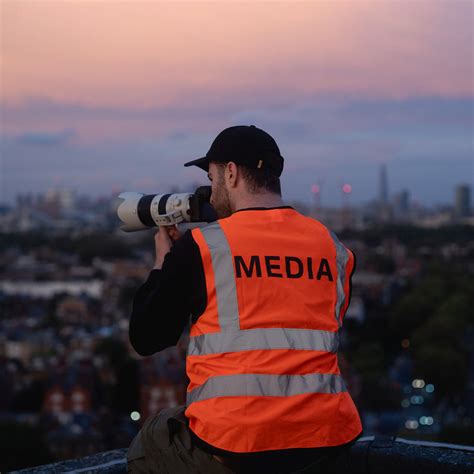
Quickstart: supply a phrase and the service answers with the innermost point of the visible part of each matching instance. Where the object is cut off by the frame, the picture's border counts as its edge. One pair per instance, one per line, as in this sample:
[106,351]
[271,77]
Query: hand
[164,239]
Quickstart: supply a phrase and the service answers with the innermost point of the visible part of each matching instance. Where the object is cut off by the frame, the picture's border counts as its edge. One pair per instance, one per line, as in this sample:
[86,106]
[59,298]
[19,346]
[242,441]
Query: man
[267,289]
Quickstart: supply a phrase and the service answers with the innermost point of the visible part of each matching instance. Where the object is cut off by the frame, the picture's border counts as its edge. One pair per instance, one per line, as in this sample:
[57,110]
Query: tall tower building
[401,202]
[383,184]
[462,205]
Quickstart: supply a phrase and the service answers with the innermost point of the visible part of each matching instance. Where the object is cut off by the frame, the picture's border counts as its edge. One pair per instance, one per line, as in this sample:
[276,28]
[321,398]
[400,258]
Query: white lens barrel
[170,209]
[128,212]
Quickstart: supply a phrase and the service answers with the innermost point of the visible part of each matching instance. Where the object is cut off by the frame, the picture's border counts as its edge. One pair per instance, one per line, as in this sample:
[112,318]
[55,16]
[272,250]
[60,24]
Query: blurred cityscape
[72,385]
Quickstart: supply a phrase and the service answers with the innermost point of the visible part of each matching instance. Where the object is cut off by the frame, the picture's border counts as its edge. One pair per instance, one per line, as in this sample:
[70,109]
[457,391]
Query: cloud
[319,119]
[421,111]
[46,139]
[426,143]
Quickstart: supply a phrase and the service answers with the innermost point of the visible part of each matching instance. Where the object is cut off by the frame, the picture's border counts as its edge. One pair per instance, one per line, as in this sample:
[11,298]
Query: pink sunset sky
[108,94]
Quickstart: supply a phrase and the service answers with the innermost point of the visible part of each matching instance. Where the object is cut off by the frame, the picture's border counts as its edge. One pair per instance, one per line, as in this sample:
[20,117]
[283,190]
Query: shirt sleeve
[163,304]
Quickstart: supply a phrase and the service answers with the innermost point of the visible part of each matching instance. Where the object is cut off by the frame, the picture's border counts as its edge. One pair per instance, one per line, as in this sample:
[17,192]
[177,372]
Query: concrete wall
[380,455]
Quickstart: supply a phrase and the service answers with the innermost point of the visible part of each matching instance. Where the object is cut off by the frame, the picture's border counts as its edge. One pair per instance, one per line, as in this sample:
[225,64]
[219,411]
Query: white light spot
[135,416]
[418,383]
[411,424]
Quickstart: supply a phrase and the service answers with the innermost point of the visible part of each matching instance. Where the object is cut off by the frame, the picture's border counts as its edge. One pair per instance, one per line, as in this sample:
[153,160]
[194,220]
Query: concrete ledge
[111,462]
[389,455]
[379,455]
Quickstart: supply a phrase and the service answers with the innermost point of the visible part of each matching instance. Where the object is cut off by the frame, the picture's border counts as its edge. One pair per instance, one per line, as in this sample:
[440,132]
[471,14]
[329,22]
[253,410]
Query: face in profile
[220,199]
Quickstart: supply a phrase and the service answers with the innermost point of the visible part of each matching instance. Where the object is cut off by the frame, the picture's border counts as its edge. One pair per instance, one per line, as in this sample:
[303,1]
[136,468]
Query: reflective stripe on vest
[226,291]
[232,339]
[266,385]
[262,339]
[342,258]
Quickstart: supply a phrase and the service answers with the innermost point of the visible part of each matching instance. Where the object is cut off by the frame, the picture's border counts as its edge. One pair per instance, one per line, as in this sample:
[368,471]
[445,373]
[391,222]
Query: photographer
[267,289]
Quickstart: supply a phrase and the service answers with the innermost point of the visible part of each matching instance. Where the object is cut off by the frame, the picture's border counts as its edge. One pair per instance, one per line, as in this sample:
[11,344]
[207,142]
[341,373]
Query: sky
[103,96]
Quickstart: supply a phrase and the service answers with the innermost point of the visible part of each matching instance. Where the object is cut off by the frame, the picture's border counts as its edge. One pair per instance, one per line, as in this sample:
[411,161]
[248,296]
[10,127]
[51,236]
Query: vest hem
[210,449]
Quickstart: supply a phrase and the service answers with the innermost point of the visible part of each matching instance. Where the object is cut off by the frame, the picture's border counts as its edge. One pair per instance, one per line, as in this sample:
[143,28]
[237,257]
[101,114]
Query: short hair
[257,180]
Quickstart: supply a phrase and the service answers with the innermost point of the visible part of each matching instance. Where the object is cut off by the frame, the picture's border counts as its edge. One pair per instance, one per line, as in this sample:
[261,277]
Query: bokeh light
[426,420]
[430,388]
[347,188]
[418,383]
[411,424]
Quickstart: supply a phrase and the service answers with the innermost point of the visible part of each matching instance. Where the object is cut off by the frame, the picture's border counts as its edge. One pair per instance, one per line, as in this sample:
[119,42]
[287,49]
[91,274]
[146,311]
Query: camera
[140,211]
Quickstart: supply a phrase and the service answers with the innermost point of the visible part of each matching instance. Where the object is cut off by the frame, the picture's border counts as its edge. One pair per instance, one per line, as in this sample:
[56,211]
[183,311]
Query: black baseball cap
[245,145]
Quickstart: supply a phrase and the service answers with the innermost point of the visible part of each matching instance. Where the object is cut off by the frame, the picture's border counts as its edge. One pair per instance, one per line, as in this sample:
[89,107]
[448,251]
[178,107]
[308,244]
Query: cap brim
[202,163]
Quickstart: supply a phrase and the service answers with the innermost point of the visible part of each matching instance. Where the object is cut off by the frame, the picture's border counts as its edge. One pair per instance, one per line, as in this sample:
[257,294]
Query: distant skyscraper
[383,184]
[401,202]
[462,204]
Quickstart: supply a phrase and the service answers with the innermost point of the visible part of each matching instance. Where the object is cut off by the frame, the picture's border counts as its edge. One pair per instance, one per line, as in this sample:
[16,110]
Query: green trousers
[165,445]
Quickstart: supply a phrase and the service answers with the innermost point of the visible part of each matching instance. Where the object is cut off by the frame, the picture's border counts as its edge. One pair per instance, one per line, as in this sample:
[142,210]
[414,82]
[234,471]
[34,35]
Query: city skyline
[382,194]
[102,96]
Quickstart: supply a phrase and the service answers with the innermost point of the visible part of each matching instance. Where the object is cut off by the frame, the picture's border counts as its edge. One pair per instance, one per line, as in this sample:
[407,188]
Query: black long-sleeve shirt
[163,304]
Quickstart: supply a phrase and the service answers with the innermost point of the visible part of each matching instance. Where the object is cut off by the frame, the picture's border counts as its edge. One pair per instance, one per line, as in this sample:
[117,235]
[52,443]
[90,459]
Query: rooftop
[374,455]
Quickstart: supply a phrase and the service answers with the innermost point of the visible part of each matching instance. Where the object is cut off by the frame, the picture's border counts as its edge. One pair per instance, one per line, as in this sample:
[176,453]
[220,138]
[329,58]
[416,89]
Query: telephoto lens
[140,211]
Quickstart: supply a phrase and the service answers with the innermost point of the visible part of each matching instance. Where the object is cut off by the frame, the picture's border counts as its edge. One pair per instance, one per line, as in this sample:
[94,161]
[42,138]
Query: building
[401,205]
[462,205]
[383,185]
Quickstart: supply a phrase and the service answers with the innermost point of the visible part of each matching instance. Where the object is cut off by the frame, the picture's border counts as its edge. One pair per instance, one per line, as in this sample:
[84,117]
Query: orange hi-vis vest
[262,358]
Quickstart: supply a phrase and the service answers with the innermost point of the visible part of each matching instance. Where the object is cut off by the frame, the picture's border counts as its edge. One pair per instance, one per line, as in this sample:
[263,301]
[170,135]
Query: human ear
[231,173]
